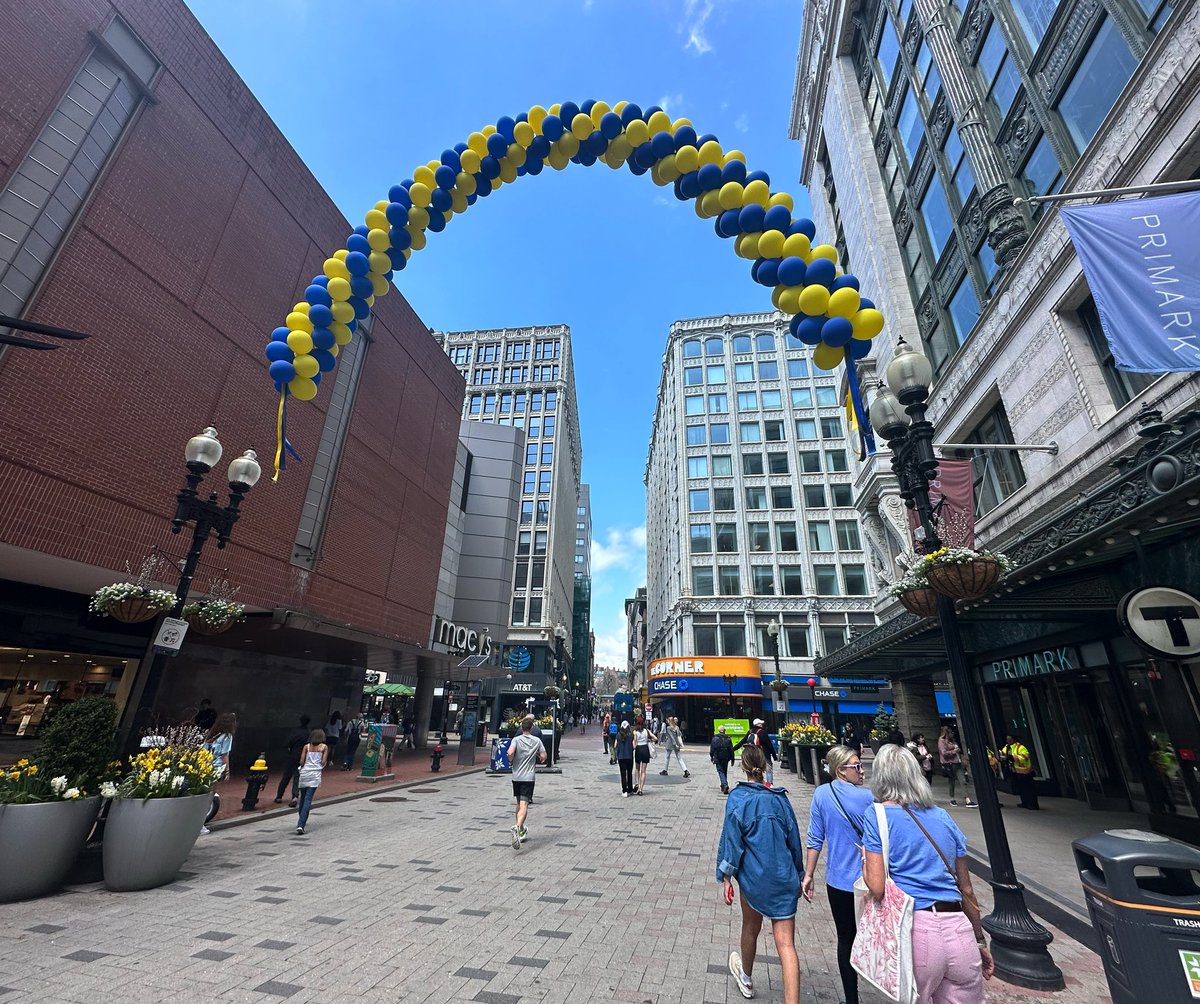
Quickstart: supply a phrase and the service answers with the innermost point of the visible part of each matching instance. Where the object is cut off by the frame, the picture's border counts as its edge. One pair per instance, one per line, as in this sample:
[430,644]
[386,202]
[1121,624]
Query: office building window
[538,579]
[747,400]
[806,428]
[781,497]
[797,368]
[548,422]
[998,473]
[1122,385]
[827,397]
[785,536]
[701,538]
[889,50]
[516,351]
[842,494]
[742,343]
[791,581]
[763,578]
[771,399]
[1000,77]
[758,536]
[733,638]
[691,349]
[826,580]
[777,463]
[713,346]
[814,496]
[534,429]
[773,431]
[531,453]
[693,376]
[749,432]
[718,404]
[693,404]
[855,579]
[964,310]
[764,342]
[704,637]
[909,125]
[802,397]
[960,168]
[819,537]
[715,374]
[723,499]
[810,462]
[524,539]
[756,498]
[847,535]
[698,500]
[1096,84]
[722,465]
[695,435]
[544,482]
[743,372]
[539,541]
[835,461]
[697,467]
[728,582]
[460,355]
[702,581]
[518,610]
[726,538]
[530,483]
[833,638]
[718,433]
[935,214]
[752,463]
[527,513]
[768,370]
[797,641]
[831,428]
[521,579]
[543,512]
[551,400]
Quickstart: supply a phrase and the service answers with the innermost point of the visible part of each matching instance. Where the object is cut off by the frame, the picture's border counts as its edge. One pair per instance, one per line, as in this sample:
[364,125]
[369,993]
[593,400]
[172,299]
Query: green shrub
[80,741]
[885,724]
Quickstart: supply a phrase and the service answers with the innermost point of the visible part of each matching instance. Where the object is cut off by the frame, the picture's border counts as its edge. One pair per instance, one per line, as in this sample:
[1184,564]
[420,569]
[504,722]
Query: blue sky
[367,91]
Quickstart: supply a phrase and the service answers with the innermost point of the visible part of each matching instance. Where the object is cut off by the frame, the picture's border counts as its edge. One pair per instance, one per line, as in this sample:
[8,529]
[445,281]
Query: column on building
[427,671]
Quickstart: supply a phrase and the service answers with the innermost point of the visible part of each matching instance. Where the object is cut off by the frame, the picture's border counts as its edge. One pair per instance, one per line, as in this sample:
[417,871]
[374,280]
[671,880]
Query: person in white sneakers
[672,739]
[525,752]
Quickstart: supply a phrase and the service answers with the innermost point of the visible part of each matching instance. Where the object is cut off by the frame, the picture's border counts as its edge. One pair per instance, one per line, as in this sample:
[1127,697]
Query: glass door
[1091,745]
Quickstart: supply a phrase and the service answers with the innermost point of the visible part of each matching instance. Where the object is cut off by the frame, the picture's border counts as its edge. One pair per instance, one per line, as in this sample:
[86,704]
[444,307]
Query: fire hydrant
[435,761]
[254,782]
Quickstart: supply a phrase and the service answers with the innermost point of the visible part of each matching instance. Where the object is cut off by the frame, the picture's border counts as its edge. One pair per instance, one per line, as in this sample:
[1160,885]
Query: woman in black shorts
[642,738]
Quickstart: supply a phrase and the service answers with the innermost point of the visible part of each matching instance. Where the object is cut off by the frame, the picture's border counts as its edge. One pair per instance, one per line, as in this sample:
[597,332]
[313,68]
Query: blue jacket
[760,847]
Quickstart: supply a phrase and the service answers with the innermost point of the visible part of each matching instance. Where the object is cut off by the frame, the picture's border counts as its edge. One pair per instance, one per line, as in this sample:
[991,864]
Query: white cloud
[671,104]
[742,123]
[624,549]
[696,15]
[611,649]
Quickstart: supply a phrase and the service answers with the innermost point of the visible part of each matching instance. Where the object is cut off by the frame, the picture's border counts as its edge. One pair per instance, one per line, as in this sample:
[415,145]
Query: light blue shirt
[913,864]
[828,824]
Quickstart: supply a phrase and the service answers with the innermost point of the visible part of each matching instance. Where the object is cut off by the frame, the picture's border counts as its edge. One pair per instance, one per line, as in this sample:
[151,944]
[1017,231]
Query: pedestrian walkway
[416,895]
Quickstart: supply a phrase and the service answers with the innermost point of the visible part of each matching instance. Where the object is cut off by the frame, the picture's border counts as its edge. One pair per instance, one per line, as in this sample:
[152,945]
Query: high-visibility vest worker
[1021,761]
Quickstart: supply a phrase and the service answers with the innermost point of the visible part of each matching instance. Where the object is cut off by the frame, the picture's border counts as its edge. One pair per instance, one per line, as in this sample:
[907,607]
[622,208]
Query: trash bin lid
[1132,834]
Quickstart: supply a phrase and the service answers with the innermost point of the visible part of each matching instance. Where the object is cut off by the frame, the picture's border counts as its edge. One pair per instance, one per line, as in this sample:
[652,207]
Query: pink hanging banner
[952,493]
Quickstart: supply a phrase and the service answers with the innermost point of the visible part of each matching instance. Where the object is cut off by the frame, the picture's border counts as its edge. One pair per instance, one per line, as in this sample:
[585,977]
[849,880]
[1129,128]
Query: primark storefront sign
[1043,662]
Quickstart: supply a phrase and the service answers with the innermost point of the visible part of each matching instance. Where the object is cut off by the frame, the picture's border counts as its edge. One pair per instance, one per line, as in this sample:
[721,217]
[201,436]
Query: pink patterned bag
[883,953]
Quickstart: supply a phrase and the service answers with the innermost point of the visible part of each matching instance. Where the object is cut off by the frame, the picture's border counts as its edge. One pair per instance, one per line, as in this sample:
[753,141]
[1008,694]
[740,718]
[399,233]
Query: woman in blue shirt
[835,819]
[760,846]
[950,956]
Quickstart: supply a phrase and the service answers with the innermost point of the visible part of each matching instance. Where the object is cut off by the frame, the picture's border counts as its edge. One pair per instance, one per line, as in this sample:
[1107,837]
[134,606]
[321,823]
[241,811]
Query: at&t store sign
[696,677]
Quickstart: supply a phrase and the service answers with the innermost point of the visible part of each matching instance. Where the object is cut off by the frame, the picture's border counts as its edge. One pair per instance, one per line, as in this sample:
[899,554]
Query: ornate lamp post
[898,413]
[729,679]
[201,454]
[815,716]
[779,684]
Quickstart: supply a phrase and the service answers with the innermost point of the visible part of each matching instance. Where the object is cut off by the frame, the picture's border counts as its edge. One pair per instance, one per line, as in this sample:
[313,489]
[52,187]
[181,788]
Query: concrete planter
[39,842]
[147,842]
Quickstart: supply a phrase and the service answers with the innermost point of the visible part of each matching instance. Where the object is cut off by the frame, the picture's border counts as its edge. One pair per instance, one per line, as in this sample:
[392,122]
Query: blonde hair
[837,758]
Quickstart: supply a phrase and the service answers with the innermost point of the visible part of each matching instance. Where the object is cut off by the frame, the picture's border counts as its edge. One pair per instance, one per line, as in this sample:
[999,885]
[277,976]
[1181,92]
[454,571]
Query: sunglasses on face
[853,766]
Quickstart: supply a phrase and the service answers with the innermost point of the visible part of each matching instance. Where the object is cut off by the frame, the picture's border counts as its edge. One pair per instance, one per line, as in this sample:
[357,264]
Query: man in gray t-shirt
[525,752]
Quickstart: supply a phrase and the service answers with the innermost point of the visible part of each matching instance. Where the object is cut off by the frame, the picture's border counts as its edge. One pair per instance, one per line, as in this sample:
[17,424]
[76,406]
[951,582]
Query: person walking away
[642,738]
[927,859]
[314,755]
[407,732]
[525,752]
[950,759]
[757,736]
[354,729]
[1024,783]
[720,752]
[923,754]
[835,822]
[673,741]
[219,741]
[291,771]
[761,848]
[622,747]
[605,722]
[206,717]
[333,732]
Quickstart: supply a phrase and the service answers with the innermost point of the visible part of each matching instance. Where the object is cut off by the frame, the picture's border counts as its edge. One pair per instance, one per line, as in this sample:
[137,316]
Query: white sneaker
[516,839]
[204,830]
[624,794]
[743,981]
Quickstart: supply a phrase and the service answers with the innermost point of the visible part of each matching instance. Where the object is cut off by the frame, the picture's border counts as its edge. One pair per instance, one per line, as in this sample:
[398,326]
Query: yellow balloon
[298,321]
[555,108]
[679,124]
[423,176]
[619,150]
[300,308]
[379,284]
[523,133]
[418,218]
[378,239]
[343,313]
[470,161]
[418,238]
[660,121]
[843,303]
[339,288]
[341,333]
[487,130]
[581,126]
[638,132]
[687,159]
[420,194]
[782,199]
[789,300]
[711,203]
[557,159]
[568,144]
[306,366]
[302,388]
[814,299]
[797,246]
[537,115]
[776,293]
[619,106]
[340,254]
[770,244]
[867,323]
[733,155]
[335,268]
[757,193]
[477,142]
[382,205]
[599,110]
[508,170]
[496,183]
[826,357]
[825,251]
[747,246]
[668,169]
[730,195]
[333,350]
[710,153]
[465,183]
[458,201]
[516,155]
[380,263]
[433,165]
[300,342]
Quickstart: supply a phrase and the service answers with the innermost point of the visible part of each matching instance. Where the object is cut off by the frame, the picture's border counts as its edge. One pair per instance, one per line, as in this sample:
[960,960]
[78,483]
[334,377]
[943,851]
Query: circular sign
[1162,620]
[519,659]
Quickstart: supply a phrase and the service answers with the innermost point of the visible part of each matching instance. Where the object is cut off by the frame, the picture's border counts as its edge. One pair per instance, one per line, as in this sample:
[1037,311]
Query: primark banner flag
[1141,259]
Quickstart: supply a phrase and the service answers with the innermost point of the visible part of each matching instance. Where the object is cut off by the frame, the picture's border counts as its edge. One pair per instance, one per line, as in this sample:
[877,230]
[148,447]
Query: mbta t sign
[1162,620]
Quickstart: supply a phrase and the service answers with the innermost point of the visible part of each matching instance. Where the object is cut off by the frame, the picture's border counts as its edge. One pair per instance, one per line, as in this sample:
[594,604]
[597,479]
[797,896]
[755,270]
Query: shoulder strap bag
[970,900]
[857,829]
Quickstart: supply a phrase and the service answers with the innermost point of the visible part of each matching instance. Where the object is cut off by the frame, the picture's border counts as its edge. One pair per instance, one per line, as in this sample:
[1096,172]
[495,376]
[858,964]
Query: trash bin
[1143,894]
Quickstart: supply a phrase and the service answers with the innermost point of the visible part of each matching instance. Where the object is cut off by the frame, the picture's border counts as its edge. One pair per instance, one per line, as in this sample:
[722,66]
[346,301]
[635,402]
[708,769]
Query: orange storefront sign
[708,665]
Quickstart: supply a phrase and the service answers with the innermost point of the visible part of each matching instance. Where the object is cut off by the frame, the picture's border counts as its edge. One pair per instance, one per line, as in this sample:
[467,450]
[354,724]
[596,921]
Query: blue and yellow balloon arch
[827,311]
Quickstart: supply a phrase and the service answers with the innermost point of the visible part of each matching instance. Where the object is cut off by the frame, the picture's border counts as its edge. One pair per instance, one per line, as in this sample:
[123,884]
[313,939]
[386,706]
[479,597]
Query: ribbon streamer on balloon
[827,311]
[866,438]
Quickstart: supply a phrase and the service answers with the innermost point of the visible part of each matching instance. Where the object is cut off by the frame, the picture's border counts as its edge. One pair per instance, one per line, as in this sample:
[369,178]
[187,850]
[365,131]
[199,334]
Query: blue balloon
[472,198]
[521,172]
[662,144]
[357,242]
[685,136]
[523,117]
[778,218]
[552,127]
[398,193]
[689,184]
[727,223]
[709,177]
[282,370]
[587,106]
[585,157]
[807,329]
[846,282]
[451,159]
[629,113]
[489,167]
[400,238]
[706,138]
[280,334]
[758,176]
[534,167]
[357,263]
[320,315]
[437,222]
[595,144]
[445,176]
[441,200]
[388,275]
[397,259]
[407,183]
[750,218]
[610,125]
[362,229]
[567,112]
[460,148]
[793,272]
[360,285]
[497,145]
[768,272]
[321,280]
[837,331]
[504,127]
[804,226]
[865,304]
[323,338]
[539,149]
[821,272]
[317,379]
[361,310]
[397,213]
[351,324]
[858,348]
[483,187]
[735,170]
[324,359]
[651,110]
[318,294]
[643,156]
[635,168]
[279,350]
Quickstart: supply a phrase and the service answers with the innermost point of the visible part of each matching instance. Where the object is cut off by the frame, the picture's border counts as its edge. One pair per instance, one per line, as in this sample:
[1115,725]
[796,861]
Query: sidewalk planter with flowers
[156,815]
[809,744]
[44,823]
[213,616]
[130,602]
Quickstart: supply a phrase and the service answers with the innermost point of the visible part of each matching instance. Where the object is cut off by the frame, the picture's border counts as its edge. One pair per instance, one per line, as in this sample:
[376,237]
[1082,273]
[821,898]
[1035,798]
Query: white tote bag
[882,953]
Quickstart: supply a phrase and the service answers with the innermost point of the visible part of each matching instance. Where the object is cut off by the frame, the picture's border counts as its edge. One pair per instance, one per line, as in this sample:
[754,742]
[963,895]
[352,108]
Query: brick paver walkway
[418,897]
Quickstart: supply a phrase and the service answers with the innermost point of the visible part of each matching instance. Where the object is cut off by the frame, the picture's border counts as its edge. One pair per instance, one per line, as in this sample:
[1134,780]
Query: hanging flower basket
[213,616]
[921,601]
[130,603]
[779,686]
[965,580]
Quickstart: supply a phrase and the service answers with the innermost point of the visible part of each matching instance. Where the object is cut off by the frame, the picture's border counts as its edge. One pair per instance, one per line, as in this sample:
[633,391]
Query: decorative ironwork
[940,119]
[974,25]
[927,313]
[922,169]
[1067,39]
[1019,132]
[971,222]
[949,271]
[1006,228]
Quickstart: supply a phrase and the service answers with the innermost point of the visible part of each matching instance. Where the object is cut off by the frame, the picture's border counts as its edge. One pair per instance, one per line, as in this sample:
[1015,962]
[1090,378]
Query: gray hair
[896,777]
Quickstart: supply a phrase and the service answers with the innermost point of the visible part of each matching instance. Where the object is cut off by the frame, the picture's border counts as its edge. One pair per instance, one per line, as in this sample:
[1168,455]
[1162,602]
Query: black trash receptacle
[1143,895]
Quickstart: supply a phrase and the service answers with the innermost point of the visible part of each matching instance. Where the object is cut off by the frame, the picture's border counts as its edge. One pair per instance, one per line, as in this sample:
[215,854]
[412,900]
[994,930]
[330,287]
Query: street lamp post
[898,413]
[779,684]
[202,453]
[815,717]
[729,679]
